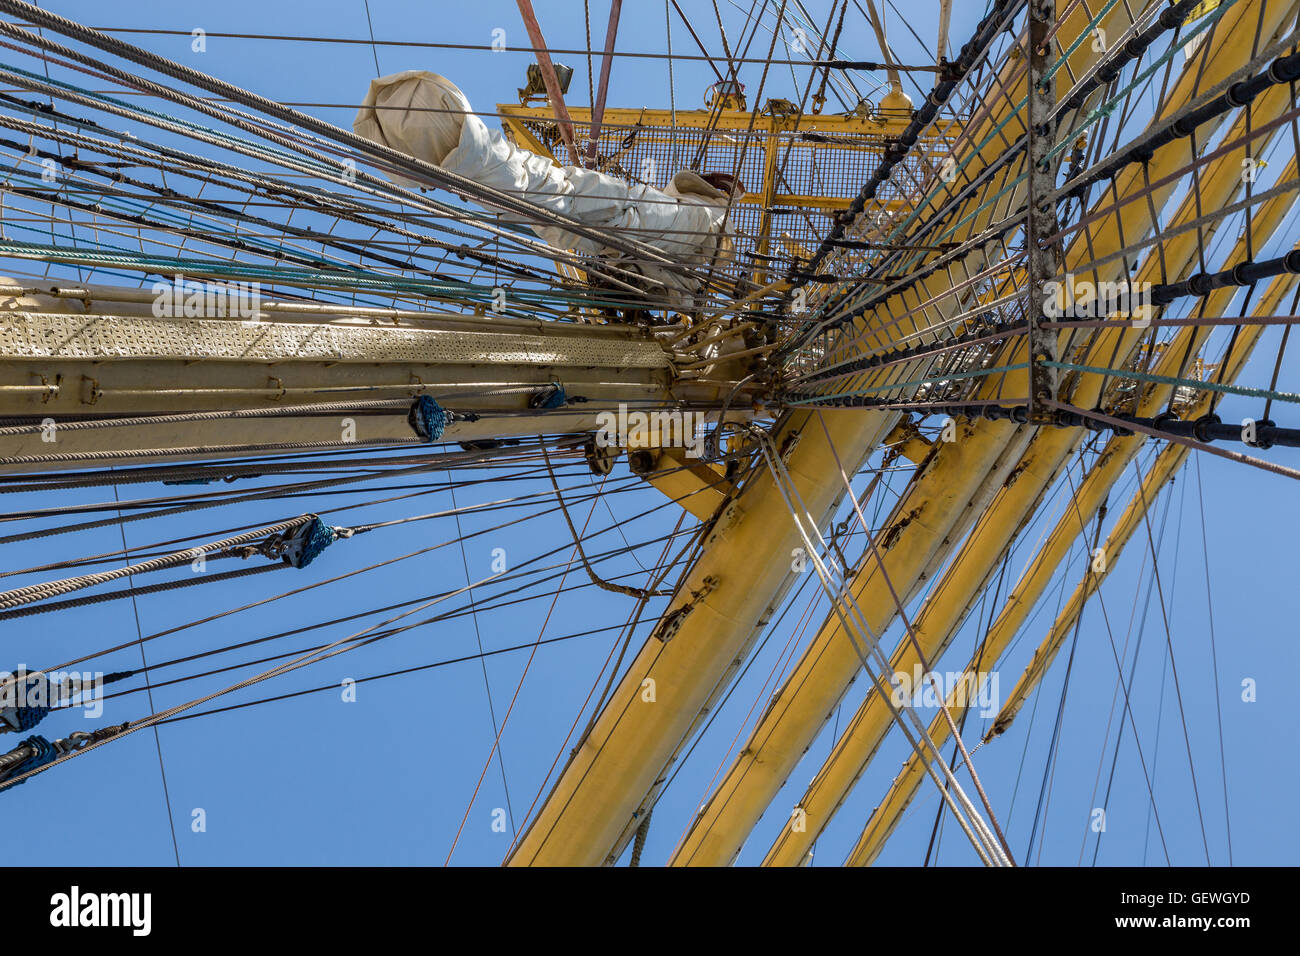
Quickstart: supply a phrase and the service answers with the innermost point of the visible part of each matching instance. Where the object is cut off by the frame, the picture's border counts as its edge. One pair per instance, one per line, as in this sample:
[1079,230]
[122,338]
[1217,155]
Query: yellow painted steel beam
[789,200]
[697,486]
[947,606]
[723,602]
[768,196]
[524,137]
[942,493]
[612,776]
[907,439]
[1081,511]
[734,120]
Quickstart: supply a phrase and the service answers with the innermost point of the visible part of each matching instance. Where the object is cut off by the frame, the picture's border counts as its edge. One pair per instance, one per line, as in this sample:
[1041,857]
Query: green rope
[979,372]
[1110,105]
[363,280]
[1060,62]
[165,216]
[1183,382]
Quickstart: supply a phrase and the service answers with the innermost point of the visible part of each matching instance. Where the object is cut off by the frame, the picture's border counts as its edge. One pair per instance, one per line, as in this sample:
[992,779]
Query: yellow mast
[1119,451]
[741,577]
[947,606]
[923,527]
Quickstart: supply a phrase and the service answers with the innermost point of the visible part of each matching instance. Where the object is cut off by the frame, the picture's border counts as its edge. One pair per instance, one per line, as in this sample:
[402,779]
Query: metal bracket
[725,520]
[672,621]
[50,390]
[600,459]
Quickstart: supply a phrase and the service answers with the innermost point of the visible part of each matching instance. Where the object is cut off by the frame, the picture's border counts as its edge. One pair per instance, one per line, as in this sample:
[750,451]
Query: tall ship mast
[782,470]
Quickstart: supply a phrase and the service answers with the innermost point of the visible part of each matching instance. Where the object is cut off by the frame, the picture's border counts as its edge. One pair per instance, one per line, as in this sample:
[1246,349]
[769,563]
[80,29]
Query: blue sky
[387,779]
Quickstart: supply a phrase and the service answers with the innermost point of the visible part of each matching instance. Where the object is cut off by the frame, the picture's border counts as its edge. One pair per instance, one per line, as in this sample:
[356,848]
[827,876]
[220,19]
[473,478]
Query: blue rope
[29,715]
[316,539]
[554,397]
[45,753]
[428,418]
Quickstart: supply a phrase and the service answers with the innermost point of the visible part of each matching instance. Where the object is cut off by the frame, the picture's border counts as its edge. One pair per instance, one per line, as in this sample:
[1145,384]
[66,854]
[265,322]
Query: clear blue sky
[386,780]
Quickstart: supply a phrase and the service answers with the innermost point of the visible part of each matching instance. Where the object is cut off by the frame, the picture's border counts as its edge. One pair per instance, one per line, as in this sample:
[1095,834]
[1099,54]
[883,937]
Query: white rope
[836,587]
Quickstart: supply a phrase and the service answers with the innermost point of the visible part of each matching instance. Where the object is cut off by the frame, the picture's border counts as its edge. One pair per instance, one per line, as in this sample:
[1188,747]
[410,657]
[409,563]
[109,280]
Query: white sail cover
[427,116]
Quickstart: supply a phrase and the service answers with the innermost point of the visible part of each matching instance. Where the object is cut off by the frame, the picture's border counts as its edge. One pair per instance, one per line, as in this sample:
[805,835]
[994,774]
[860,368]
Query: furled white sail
[427,116]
